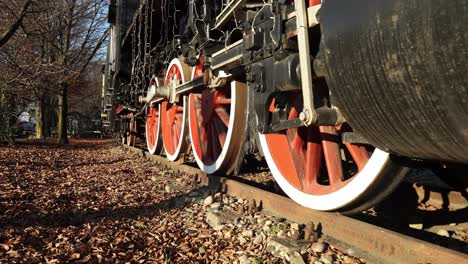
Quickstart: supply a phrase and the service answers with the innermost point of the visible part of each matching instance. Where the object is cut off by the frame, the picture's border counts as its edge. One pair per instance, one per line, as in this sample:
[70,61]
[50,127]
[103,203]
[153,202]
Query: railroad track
[369,242]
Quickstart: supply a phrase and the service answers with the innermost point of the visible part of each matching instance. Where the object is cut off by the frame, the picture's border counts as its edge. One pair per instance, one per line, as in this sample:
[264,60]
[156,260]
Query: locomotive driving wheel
[131,133]
[122,136]
[317,170]
[174,115]
[153,125]
[217,123]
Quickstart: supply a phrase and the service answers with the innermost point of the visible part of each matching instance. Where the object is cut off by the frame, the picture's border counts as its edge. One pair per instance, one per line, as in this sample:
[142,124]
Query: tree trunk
[40,118]
[50,119]
[62,114]
[47,122]
[4,125]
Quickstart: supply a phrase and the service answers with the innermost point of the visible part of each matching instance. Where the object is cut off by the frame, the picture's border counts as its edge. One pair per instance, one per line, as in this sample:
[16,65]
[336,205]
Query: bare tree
[51,55]
[12,15]
[80,38]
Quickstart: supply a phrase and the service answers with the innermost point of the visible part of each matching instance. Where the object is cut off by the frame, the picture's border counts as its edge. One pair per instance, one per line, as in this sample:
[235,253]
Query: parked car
[25,128]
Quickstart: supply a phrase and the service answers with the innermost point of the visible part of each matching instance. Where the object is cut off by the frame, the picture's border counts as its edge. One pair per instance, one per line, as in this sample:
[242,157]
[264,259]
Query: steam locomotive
[339,97]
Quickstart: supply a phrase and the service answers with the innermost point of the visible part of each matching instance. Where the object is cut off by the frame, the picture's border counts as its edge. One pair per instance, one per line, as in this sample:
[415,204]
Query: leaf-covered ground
[95,202]
[87,202]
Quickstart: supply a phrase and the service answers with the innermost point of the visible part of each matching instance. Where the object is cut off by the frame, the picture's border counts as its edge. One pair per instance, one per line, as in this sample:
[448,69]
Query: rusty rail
[372,243]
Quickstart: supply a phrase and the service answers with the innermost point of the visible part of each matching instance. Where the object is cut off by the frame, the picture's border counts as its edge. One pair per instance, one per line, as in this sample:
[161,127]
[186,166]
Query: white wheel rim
[157,143]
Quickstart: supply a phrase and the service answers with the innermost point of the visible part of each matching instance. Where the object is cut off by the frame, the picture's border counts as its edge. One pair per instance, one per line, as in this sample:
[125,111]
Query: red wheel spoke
[313,159]
[296,147]
[359,154]
[214,143]
[209,144]
[298,140]
[178,128]
[204,141]
[222,101]
[175,137]
[171,114]
[150,135]
[197,107]
[221,131]
[297,143]
[297,154]
[223,115]
[203,131]
[332,154]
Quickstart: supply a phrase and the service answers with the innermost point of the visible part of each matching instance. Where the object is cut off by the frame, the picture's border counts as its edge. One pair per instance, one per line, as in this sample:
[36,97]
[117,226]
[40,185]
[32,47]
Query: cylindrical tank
[398,70]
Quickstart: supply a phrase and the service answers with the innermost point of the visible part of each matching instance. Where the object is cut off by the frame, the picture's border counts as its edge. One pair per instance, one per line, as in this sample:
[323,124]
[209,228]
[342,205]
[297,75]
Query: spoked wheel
[123,138]
[174,115]
[217,123]
[153,126]
[122,134]
[131,134]
[153,130]
[315,169]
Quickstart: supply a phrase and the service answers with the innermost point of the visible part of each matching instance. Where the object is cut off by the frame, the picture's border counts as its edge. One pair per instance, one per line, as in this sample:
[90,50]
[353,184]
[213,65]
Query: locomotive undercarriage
[240,77]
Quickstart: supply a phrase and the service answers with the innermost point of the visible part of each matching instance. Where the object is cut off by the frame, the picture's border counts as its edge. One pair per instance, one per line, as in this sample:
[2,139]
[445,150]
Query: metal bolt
[257,87]
[254,76]
[308,117]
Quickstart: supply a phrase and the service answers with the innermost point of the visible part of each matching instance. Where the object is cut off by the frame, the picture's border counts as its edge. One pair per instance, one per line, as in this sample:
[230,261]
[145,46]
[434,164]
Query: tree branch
[95,50]
[14,27]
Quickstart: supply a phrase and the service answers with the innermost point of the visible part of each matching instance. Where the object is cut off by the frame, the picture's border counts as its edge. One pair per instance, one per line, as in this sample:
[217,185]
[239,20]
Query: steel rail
[369,242]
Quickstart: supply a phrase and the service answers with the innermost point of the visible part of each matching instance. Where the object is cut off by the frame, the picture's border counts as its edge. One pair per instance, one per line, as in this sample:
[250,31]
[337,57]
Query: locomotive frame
[227,78]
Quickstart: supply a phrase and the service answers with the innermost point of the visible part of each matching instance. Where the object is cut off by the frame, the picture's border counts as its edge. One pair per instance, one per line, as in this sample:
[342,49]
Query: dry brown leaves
[93,202]
[87,202]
